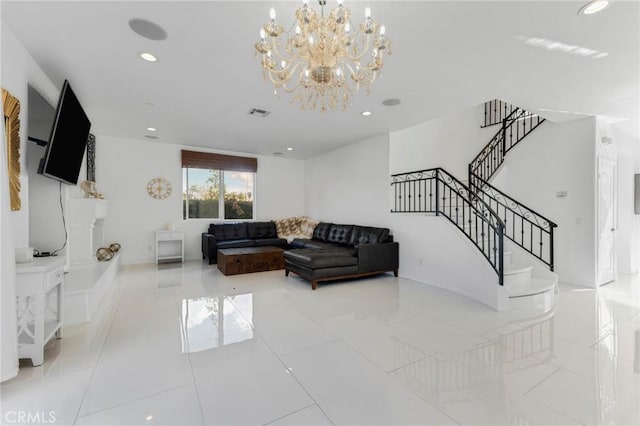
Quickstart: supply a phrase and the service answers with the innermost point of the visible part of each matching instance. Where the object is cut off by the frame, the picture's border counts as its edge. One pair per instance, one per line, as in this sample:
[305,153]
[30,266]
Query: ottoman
[321,264]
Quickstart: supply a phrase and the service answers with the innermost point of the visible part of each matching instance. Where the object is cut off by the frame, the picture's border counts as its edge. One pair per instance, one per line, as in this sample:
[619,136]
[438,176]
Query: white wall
[628,231]
[19,70]
[435,252]
[8,335]
[450,142]
[350,185]
[46,227]
[560,157]
[123,168]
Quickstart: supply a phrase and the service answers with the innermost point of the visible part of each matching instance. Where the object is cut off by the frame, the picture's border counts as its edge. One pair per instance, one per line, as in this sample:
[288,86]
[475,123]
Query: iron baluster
[551,265]
[437,193]
[504,135]
[541,243]
[531,237]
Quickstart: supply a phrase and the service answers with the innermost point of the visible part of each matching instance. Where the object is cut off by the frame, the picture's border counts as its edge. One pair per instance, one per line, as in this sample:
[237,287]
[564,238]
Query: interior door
[606,217]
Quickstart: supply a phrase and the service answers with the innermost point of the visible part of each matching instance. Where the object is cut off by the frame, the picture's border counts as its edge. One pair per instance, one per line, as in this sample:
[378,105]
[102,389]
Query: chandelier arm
[275,50]
[364,47]
[283,83]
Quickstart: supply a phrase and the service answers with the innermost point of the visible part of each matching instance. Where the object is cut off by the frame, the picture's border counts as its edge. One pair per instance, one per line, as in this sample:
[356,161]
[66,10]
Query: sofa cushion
[319,245]
[229,231]
[340,234]
[258,230]
[368,235]
[276,242]
[321,231]
[317,259]
[298,243]
[235,244]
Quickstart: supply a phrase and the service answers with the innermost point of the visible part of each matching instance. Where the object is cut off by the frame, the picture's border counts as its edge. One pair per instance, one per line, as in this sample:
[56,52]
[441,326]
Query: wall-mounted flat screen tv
[68,139]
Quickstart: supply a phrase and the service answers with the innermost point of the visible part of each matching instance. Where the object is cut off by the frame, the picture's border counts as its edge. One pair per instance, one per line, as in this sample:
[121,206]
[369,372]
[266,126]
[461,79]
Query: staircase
[523,261]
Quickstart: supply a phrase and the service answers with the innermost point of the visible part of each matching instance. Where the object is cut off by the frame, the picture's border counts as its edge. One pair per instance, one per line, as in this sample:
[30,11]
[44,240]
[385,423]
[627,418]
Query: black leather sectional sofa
[236,235]
[342,251]
[333,252]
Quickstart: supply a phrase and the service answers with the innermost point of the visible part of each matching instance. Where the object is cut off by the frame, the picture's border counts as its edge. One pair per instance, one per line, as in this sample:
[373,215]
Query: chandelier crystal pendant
[323,60]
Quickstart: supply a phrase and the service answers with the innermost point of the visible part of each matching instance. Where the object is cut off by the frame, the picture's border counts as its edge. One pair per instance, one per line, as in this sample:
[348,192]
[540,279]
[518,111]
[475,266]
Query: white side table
[169,246]
[40,292]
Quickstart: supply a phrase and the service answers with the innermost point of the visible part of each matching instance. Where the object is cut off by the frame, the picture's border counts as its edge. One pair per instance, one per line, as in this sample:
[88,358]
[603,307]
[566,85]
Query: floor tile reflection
[210,322]
[183,344]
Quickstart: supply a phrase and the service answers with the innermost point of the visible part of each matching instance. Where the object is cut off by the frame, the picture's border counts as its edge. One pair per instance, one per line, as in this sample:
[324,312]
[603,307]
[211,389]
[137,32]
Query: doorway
[607,223]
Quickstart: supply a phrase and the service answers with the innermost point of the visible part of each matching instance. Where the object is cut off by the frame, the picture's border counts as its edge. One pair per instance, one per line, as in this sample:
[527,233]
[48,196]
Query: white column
[8,320]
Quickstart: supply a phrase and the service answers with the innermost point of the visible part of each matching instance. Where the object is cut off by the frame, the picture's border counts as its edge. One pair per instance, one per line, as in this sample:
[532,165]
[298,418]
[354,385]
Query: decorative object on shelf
[89,188]
[159,188]
[91,158]
[11,111]
[323,59]
[104,254]
[115,247]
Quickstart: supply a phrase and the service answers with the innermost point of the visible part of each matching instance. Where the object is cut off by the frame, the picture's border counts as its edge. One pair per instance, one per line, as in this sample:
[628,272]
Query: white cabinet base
[169,246]
[39,291]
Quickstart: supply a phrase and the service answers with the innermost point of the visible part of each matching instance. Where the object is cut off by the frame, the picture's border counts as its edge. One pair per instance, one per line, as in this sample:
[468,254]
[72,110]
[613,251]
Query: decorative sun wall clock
[11,109]
[159,188]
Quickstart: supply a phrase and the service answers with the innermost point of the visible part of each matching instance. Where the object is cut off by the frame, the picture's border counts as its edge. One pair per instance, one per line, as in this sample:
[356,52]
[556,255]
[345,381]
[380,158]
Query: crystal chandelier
[323,59]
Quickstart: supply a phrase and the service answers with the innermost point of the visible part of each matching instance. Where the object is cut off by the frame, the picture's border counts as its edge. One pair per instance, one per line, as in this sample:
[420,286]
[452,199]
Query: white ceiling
[447,56]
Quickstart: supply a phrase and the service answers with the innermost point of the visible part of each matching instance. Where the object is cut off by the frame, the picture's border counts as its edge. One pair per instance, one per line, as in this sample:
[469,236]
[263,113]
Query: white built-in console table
[39,291]
[169,246]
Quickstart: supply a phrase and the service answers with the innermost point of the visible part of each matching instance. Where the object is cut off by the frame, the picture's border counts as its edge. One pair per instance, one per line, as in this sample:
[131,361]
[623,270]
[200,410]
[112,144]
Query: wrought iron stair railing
[437,191]
[524,226]
[495,111]
[515,127]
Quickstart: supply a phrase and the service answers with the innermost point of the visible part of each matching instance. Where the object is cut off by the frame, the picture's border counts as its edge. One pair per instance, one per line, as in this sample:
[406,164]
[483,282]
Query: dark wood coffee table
[235,261]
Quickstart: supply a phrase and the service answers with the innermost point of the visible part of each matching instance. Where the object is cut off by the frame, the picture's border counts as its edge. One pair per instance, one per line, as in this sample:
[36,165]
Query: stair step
[536,285]
[507,259]
[516,275]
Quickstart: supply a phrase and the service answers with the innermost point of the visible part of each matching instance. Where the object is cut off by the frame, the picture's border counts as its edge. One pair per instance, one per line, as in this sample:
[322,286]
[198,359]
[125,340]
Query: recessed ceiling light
[149,57]
[593,6]
[151,129]
[151,137]
[289,149]
[365,113]
[277,153]
[391,102]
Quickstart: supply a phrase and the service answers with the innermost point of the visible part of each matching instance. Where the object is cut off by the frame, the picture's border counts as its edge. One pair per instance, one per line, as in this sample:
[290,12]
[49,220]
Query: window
[208,178]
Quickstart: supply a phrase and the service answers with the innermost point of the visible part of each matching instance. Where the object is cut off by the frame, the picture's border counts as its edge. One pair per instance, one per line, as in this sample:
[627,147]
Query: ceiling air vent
[259,112]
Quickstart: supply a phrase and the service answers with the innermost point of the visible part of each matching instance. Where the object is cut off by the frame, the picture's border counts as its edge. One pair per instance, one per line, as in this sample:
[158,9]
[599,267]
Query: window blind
[208,160]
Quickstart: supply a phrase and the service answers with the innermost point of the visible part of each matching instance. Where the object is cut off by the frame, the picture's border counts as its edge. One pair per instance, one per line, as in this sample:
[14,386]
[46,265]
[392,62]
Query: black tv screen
[68,139]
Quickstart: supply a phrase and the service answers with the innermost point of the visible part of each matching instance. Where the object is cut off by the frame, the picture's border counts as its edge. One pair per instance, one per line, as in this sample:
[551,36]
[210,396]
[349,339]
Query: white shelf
[36,284]
[50,328]
[169,245]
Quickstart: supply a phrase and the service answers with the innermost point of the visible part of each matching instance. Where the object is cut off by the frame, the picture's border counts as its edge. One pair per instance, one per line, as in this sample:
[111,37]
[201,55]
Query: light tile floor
[182,344]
